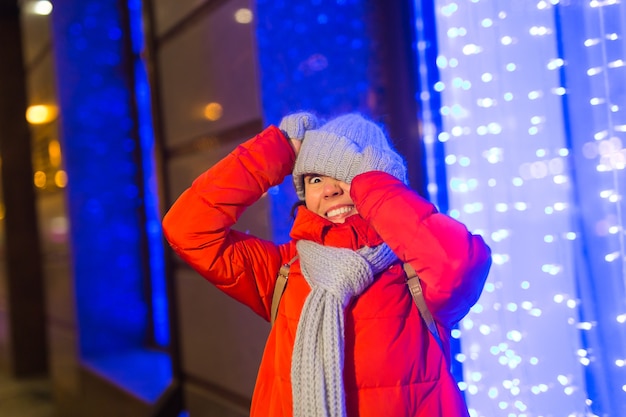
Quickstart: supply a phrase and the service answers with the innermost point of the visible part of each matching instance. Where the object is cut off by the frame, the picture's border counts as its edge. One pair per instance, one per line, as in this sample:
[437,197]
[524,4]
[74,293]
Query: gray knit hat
[345,147]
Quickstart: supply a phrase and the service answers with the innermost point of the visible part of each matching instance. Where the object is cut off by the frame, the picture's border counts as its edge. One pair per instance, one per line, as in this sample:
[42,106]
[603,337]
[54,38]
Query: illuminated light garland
[508,162]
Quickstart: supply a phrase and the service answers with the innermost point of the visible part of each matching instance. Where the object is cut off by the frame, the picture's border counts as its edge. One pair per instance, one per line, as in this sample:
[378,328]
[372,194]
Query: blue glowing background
[112,200]
[104,200]
[591,38]
[313,56]
[525,98]
[154,233]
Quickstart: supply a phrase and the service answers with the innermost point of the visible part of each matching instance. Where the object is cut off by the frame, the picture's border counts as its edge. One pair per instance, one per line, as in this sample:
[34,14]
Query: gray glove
[296,124]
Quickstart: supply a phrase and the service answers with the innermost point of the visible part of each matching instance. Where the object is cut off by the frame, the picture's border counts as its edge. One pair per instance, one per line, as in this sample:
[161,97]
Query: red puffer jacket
[393,366]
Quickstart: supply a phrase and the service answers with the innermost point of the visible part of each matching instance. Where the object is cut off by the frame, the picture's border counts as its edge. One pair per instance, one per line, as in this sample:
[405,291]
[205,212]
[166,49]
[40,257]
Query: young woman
[348,339]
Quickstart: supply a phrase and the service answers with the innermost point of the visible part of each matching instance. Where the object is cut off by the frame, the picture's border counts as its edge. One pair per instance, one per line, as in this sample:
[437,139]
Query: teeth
[338,211]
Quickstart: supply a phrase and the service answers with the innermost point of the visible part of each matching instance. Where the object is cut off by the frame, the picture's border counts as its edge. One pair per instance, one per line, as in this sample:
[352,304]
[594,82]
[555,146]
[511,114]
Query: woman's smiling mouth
[339,212]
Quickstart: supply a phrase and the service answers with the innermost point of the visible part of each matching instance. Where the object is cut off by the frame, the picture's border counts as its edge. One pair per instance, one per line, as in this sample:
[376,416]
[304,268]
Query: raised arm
[198,225]
[451,262]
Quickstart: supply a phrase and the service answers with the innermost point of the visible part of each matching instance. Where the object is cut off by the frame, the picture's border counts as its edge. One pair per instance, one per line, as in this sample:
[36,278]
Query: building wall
[206,65]
[22,329]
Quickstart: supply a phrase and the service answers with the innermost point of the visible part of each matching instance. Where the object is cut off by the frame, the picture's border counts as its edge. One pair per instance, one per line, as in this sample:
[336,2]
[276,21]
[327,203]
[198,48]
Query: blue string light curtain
[591,37]
[529,96]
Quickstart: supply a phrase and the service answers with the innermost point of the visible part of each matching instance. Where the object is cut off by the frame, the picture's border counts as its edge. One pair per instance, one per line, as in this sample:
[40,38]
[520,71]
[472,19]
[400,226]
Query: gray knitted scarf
[335,275]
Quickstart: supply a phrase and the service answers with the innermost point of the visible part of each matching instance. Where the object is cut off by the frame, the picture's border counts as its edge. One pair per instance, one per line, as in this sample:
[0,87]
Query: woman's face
[328,197]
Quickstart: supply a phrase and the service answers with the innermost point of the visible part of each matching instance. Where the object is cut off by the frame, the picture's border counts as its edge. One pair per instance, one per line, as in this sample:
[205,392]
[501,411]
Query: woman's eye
[314,180]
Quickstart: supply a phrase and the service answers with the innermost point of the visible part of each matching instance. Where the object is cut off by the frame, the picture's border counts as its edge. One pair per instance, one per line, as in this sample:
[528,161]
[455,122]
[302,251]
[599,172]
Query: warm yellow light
[243,16]
[60,179]
[54,151]
[213,111]
[1,211]
[40,179]
[42,7]
[59,226]
[40,114]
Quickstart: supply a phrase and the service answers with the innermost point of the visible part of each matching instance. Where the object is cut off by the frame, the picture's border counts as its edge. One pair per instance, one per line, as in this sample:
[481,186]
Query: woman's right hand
[295,125]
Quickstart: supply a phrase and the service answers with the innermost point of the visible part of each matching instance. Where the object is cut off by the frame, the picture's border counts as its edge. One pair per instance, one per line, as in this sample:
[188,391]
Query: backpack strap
[279,288]
[413,281]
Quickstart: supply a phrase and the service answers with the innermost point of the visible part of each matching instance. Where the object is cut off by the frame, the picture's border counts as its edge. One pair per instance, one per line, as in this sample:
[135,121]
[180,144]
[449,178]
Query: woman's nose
[332,188]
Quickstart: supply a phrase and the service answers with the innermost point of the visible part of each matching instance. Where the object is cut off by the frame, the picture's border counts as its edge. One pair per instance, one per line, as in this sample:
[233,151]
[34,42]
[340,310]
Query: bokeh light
[511,140]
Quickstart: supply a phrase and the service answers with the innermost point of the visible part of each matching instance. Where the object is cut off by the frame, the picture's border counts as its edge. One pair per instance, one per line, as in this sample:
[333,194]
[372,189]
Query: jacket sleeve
[198,225]
[451,262]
